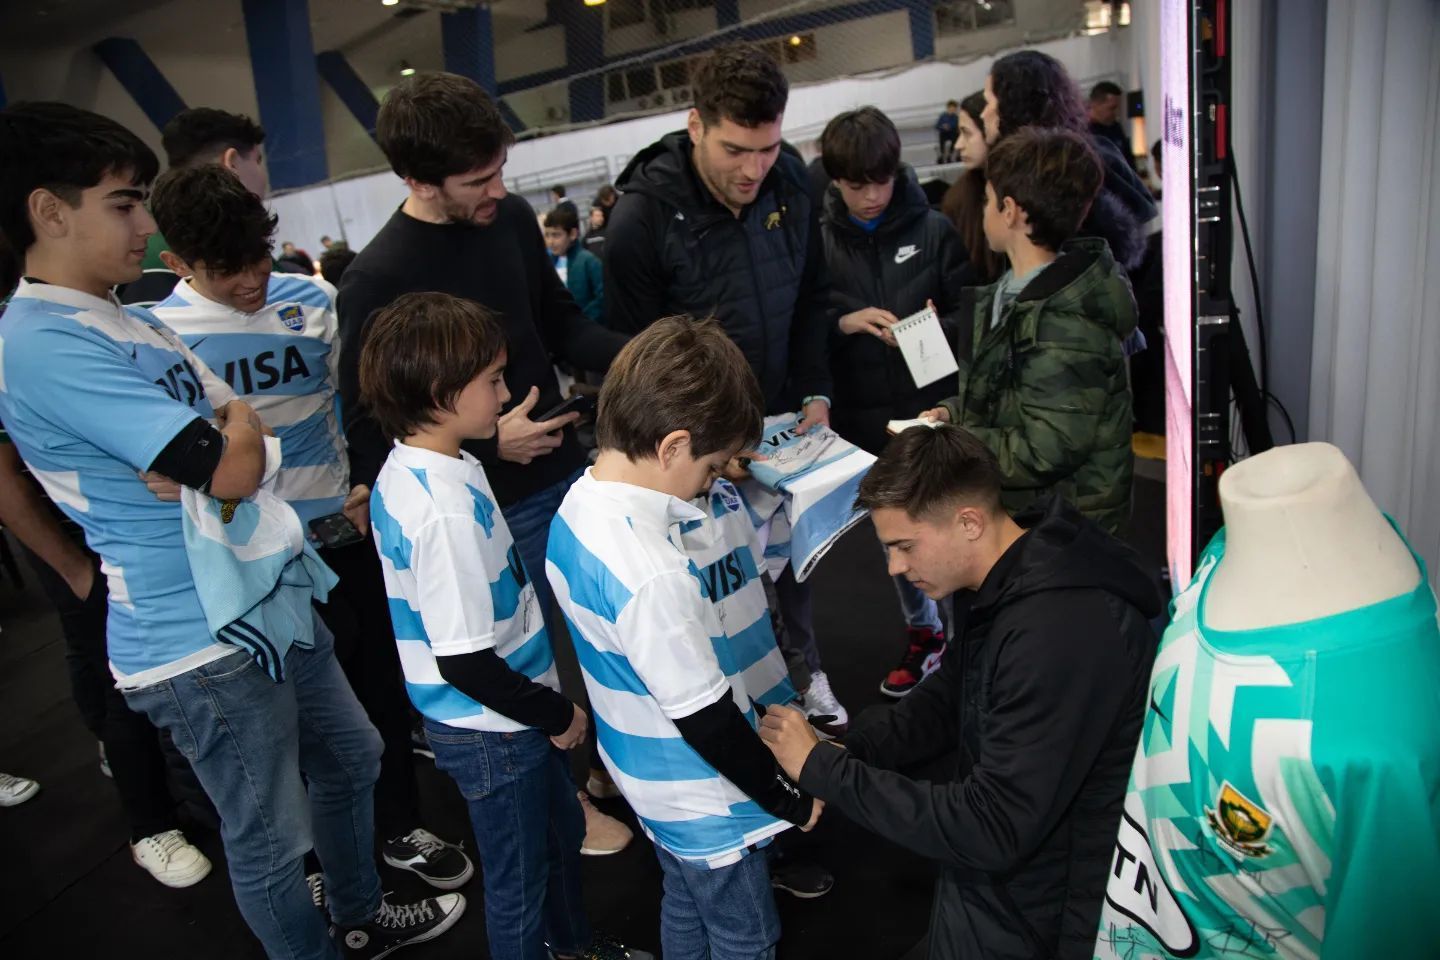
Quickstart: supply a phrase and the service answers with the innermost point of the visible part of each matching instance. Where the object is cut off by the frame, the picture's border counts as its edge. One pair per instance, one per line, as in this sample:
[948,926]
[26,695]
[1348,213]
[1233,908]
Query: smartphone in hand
[335,530]
[581,404]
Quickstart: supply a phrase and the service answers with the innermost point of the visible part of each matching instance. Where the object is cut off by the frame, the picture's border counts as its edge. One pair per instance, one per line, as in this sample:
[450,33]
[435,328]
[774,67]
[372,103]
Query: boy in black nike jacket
[889,254]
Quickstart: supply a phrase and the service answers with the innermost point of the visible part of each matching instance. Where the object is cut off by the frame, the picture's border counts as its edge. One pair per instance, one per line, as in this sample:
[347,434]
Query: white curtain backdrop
[1375,389]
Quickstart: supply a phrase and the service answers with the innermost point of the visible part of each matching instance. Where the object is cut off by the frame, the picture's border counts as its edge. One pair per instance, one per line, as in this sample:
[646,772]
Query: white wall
[855,47]
[518,53]
[684,25]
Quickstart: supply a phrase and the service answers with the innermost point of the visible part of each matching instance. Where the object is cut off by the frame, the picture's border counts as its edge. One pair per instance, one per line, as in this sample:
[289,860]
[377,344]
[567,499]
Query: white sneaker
[171,859]
[825,712]
[16,790]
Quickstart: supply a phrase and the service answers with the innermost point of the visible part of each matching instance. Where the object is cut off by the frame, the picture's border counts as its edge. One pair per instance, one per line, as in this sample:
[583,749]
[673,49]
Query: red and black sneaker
[922,658]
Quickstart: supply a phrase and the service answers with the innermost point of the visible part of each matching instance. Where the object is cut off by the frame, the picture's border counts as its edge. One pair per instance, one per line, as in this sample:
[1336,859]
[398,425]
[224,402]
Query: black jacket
[675,249]
[1043,697]
[914,255]
[1123,208]
[505,266]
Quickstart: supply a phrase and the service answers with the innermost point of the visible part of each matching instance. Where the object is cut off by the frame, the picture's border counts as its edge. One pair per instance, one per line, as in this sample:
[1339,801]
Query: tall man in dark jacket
[459,232]
[889,254]
[1042,696]
[717,220]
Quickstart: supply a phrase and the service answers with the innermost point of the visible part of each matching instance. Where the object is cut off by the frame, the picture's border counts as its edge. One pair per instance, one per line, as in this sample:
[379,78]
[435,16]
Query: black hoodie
[672,248]
[1043,697]
[911,256]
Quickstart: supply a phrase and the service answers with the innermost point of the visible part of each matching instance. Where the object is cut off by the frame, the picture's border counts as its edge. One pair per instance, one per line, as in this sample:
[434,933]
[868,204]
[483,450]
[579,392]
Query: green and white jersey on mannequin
[1285,797]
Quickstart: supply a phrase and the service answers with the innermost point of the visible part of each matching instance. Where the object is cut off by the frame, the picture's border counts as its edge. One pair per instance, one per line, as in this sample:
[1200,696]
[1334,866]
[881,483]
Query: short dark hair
[1105,89]
[558,190]
[1053,175]
[951,103]
[861,146]
[436,125]
[606,195]
[419,353]
[563,218]
[1033,89]
[679,374]
[63,149]
[742,84]
[334,262]
[202,134]
[208,216]
[924,470]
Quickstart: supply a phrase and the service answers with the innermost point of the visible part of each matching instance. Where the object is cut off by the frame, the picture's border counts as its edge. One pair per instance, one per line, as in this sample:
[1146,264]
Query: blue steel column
[348,86]
[287,86]
[585,51]
[922,28]
[141,79]
[468,40]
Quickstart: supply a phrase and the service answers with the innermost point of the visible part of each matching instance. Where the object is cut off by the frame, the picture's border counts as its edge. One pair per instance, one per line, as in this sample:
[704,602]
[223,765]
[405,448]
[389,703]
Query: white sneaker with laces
[171,859]
[824,710]
[16,790]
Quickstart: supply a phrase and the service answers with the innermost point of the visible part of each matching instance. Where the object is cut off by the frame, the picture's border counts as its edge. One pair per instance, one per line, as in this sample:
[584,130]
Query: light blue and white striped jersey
[441,539]
[805,491]
[262,572]
[728,553]
[283,360]
[652,650]
[91,393]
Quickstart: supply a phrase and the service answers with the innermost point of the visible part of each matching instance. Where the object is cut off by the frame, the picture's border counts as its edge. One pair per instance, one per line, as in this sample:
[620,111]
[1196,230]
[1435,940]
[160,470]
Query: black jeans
[358,614]
[132,744]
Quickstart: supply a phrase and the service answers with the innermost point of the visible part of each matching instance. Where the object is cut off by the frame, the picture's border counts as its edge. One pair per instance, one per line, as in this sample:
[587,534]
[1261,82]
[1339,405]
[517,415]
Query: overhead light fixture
[795,41]
[405,69]
[594,3]
[388,3]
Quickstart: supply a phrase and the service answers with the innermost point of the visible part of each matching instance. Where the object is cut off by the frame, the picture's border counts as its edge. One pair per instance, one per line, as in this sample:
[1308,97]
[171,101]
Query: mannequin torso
[1303,540]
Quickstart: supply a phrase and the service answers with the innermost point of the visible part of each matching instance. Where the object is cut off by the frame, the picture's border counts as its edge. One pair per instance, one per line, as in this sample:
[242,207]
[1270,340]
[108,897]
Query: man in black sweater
[1042,695]
[460,233]
[717,220]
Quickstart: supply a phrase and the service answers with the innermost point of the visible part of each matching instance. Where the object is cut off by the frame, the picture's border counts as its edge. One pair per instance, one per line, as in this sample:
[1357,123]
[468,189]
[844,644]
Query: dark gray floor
[69,889]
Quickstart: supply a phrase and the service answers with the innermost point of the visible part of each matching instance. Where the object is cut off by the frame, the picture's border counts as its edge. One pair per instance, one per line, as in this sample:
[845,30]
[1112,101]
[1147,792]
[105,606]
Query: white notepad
[897,427]
[922,342]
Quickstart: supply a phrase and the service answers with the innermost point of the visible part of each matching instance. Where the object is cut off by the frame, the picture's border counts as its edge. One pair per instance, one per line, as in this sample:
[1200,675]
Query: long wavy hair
[1034,89]
[964,205]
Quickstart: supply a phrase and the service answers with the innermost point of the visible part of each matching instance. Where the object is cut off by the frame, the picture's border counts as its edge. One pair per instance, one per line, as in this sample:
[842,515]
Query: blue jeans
[920,611]
[528,830]
[724,914]
[249,739]
[529,523]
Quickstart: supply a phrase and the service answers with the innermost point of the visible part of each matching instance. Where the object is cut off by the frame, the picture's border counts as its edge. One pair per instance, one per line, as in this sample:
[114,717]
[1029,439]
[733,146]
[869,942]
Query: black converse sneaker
[442,865]
[399,925]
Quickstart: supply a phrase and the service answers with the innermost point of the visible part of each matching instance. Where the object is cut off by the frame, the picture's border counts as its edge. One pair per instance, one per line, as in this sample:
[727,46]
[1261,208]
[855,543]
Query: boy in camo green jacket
[1046,387]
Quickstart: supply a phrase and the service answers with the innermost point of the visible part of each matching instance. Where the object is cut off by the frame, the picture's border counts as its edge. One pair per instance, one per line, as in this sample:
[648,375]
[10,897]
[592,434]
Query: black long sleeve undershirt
[485,678]
[724,740]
